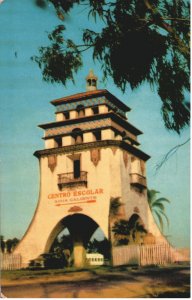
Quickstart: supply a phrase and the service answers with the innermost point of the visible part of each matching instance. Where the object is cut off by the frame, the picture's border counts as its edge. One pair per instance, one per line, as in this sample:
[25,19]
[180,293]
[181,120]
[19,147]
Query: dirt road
[161,283]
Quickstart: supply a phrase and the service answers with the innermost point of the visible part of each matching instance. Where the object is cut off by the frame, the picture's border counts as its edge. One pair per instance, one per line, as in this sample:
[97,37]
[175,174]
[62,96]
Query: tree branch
[176,19]
[88,47]
[160,22]
[170,153]
[166,19]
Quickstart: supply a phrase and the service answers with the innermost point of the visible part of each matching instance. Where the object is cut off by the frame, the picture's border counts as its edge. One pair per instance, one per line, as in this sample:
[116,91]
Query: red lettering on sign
[76,193]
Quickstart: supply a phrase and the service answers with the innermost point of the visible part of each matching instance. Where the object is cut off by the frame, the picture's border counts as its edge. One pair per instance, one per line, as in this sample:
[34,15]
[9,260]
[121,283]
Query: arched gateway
[81,228]
[82,170]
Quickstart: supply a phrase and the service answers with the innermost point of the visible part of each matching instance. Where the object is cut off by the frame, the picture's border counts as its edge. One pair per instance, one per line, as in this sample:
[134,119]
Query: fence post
[10,261]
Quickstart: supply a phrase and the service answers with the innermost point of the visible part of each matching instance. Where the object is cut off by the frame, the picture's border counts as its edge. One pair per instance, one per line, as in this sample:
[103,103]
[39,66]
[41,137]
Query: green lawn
[25,274]
[29,274]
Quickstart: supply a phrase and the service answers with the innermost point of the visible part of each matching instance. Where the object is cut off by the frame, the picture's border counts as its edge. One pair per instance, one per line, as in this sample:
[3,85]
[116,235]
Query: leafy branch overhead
[60,60]
[140,41]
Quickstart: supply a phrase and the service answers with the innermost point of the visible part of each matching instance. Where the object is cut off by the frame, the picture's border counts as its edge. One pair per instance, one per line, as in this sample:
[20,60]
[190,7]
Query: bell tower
[91,155]
[91,81]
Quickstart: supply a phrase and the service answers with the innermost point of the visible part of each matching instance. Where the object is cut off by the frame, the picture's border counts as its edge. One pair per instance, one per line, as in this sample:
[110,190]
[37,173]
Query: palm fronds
[157,207]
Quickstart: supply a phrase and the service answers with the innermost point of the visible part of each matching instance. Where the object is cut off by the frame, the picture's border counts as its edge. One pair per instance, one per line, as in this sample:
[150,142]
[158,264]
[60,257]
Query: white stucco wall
[60,117]
[48,214]
[50,143]
[111,176]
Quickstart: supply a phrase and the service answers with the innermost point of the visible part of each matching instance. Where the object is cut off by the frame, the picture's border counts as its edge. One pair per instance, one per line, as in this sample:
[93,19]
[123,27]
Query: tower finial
[91,81]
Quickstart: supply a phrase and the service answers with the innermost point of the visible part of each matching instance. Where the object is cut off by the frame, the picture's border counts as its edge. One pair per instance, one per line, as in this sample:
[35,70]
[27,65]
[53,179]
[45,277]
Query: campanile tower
[91,156]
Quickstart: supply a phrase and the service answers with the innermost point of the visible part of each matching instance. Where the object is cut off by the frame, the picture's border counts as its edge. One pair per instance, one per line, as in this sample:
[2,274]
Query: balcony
[69,180]
[138,180]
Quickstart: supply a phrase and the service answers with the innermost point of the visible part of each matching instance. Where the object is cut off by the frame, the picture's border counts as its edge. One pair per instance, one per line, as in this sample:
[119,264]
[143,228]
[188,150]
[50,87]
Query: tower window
[97,135]
[76,168]
[77,135]
[58,141]
[79,139]
[93,82]
[95,110]
[80,111]
[66,115]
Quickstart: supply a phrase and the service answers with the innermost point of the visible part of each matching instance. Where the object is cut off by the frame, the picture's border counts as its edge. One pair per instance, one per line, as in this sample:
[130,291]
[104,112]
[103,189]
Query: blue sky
[25,104]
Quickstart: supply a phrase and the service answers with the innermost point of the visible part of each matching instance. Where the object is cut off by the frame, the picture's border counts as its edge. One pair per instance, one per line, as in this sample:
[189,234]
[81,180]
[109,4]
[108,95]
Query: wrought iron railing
[138,180]
[69,179]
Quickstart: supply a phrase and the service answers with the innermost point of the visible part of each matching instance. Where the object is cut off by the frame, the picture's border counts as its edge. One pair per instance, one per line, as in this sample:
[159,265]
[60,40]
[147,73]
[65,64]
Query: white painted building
[95,259]
[91,155]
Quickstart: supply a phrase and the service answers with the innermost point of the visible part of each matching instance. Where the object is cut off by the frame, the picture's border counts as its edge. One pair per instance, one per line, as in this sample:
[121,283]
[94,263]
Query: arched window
[123,134]
[77,135]
[95,110]
[97,135]
[58,141]
[137,228]
[66,115]
[93,82]
[80,111]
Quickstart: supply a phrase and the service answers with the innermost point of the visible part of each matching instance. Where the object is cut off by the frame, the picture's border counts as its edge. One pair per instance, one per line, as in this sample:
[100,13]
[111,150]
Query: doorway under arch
[80,228]
[137,229]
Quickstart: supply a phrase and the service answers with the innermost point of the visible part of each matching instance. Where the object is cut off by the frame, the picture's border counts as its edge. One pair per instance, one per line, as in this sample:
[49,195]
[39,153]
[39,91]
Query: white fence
[126,255]
[156,255]
[160,254]
[10,261]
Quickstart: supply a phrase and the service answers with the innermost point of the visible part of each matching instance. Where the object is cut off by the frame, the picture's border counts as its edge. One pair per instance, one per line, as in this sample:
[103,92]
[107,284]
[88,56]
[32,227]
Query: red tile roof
[78,96]
[88,95]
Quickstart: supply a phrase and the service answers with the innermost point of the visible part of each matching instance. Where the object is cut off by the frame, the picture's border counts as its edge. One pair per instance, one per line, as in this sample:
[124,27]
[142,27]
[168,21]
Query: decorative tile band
[51,132]
[87,146]
[120,128]
[88,103]
[83,126]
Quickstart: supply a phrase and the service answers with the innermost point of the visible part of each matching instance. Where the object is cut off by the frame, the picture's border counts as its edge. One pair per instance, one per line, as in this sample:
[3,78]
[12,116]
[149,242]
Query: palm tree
[11,244]
[129,232]
[157,206]
[121,232]
[2,244]
[103,247]
[115,204]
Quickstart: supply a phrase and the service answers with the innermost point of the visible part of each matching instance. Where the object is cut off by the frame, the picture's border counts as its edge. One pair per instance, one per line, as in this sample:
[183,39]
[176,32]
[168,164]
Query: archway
[137,229]
[80,228]
[80,111]
[77,134]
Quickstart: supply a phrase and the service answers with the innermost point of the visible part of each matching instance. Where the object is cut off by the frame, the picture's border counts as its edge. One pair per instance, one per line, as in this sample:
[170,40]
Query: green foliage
[114,207]
[58,257]
[52,260]
[140,41]
[60,60]
[102,247]
[157,206]
[2,243]
[125,231]
[64,242]
[41,3]
[10,244]
[121,232]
